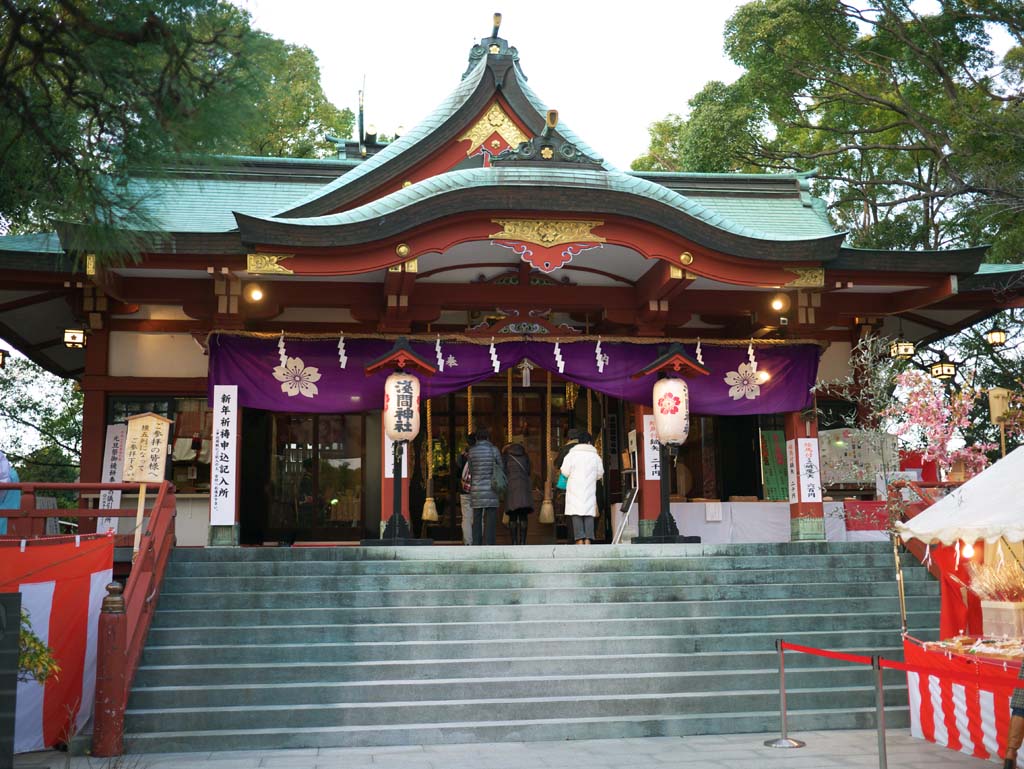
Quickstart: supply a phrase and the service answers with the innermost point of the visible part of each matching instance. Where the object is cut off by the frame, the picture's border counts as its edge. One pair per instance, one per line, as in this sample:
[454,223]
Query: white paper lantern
[402,407]
[672,411]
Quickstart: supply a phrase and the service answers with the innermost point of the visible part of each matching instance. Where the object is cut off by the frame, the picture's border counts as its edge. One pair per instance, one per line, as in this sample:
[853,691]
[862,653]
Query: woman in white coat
[583,468]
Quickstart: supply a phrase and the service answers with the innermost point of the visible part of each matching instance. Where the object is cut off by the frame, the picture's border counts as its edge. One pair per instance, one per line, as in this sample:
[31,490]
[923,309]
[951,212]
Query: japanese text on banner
[224,455]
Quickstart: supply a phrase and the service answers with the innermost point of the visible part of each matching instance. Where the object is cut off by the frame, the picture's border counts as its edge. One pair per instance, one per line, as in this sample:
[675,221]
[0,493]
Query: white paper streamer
[342,355]
[750,355]
[281,351]
[700,356]
[440,357]
[494,358]
[599,356]
[558,358]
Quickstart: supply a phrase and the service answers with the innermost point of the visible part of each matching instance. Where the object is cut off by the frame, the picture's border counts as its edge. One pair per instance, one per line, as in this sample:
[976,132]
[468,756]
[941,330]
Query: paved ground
[824,750]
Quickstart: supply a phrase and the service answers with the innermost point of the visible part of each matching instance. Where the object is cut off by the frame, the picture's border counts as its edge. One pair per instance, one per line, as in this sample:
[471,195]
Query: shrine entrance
[511,410]
[303,477]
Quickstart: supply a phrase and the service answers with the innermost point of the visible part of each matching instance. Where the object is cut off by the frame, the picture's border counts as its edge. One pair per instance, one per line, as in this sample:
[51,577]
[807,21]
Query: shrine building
[536,285]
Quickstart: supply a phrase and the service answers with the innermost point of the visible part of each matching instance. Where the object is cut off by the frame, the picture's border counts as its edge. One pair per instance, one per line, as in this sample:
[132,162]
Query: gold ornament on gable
[267,264]
[806,277]
[494,121]
[548,232]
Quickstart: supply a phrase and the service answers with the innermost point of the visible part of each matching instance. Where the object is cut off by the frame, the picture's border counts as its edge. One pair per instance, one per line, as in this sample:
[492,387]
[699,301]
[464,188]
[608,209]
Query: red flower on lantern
[669,404]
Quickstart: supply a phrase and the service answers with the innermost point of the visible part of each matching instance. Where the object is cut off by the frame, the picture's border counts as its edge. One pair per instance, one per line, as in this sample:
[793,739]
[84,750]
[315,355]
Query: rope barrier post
[899,583]
[883,762]
[784,741]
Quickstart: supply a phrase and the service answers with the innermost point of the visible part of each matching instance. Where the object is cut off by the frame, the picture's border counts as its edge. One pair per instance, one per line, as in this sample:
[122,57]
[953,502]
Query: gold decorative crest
[547,232]
[806,277]
[267,264]
[494,121]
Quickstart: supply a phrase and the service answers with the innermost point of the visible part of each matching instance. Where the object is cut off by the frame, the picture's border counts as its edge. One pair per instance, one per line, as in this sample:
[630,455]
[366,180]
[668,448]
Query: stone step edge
[495,680]
[573,639]
[507,723]
[448,661]
[372,705]
[524,622]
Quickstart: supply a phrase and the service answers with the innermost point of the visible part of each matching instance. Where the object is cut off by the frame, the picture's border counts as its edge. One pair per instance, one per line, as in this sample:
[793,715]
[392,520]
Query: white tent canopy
[989,506]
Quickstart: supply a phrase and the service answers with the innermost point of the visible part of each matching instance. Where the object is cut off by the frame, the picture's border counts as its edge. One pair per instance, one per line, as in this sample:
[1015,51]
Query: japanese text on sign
[223,456]
[145,452]
[809,469]
[652,450]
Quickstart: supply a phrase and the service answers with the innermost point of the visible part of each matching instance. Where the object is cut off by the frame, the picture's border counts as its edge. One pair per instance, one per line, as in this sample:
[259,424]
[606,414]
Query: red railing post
[111,675]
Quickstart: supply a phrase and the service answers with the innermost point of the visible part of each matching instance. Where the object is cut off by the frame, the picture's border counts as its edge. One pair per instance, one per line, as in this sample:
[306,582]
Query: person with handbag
[487,483]
[519,496]
[465,505]
[582,468]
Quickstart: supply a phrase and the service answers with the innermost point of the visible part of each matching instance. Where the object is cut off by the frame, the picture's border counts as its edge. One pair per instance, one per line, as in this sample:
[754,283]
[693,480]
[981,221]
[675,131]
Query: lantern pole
[399,360]
[674,362]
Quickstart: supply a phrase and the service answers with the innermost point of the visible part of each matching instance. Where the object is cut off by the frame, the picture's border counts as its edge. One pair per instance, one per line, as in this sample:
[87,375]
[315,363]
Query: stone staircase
[313,647]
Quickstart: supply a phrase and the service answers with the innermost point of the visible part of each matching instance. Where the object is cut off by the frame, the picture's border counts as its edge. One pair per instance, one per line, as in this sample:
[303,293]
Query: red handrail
[124,620]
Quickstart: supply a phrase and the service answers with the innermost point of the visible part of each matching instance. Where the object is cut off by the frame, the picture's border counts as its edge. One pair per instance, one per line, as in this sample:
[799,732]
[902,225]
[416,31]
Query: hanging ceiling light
[996,337]
[943,369]
[4,354]
[901,348]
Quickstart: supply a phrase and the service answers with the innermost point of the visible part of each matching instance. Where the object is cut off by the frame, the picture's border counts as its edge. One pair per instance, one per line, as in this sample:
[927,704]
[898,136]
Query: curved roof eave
[445,110]
[498,188]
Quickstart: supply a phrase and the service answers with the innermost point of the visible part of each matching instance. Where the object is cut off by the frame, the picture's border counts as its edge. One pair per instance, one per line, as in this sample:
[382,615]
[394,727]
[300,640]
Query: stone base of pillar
[807,529]
[223,536]
[647,527]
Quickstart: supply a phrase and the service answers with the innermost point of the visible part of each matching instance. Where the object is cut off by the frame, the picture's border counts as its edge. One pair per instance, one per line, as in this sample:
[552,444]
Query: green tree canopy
[295,115]
[92,92]
[917,131]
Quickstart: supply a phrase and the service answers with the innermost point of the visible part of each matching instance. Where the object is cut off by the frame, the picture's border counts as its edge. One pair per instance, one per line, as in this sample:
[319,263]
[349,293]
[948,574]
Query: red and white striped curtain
[957,715]
[62,581]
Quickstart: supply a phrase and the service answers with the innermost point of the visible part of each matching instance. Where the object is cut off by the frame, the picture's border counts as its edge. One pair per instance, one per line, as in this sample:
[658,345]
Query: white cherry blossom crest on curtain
[743,382]
[297,379]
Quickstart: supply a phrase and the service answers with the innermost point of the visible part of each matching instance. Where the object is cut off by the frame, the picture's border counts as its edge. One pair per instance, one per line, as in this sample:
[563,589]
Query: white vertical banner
[794,496]
[113,466]
[810,469]
[652,449]
[223,465]
[389,458]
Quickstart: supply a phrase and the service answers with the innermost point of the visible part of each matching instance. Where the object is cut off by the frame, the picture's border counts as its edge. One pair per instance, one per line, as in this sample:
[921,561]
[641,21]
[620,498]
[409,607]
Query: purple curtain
[313,381]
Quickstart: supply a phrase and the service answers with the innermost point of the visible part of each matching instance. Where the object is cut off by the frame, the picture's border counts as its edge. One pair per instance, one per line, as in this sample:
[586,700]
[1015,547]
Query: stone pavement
[824,750]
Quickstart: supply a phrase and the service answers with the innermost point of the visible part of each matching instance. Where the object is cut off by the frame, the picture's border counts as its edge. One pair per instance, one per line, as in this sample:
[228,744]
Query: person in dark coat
[482,496]
[519,496]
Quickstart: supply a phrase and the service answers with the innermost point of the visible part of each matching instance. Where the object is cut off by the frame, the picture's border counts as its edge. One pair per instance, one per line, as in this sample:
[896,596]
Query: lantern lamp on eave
[4,354]
[943,369]
[995,336]
[901,349]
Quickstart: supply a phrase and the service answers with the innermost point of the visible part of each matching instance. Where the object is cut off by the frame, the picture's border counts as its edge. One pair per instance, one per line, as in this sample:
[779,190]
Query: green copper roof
[42,243]
[445,110]
[996,269]
[541,176]
[780,217]
[205,205]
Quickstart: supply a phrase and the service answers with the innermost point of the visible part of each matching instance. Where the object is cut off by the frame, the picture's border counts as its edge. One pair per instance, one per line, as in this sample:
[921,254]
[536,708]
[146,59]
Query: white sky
[609,69]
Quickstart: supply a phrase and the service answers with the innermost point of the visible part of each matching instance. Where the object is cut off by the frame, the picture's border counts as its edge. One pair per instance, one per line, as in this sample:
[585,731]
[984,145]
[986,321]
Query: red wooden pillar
[111,675]
[94,416]
[650,490]
[806,511]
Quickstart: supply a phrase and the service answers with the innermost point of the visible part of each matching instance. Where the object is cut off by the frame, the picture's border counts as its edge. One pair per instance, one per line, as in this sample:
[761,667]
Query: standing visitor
[9,500]
[583,469]
[519,497]
[484,461]
[462,470]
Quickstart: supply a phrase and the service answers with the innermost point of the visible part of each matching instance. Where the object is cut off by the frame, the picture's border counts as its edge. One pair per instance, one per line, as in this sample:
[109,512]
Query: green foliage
[91,93]
[40,422]
[916,131]
[35,659]
[295,116]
